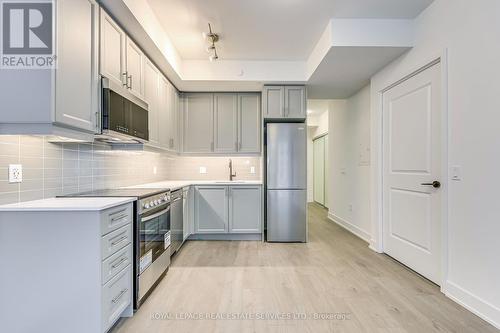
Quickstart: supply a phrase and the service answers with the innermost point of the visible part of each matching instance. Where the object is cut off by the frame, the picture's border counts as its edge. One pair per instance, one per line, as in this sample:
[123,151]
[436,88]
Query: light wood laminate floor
[335,274]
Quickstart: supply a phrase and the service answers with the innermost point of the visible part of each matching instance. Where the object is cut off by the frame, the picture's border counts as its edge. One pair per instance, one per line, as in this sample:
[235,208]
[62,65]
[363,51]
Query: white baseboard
[350,227]
[474,304]
[373,246]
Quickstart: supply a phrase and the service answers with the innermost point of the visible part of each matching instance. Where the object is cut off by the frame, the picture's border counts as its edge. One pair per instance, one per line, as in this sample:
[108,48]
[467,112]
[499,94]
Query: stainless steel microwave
[124,116]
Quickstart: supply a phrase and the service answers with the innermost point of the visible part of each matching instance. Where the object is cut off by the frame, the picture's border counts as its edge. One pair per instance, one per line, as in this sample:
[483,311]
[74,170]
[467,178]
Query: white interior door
[319,170]
[412,157]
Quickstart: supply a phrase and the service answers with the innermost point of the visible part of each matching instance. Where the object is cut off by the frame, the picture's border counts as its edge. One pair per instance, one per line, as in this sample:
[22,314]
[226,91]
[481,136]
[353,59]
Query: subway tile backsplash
[188,168]
[51,169]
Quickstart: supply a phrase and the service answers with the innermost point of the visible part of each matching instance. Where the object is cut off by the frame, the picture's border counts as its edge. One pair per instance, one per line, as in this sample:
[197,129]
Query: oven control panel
[154,201]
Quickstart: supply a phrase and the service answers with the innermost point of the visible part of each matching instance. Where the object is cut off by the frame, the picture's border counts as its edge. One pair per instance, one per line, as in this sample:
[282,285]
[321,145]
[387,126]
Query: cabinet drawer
[116,296]
[116,240]
[116,217]
[115,263]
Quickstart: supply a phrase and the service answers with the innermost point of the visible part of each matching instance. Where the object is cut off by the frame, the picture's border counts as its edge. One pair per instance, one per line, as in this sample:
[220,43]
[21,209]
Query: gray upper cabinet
[162,99]
[172,114]
[249,123]
[245,214]
[235,123]
[295,101]
[61,101]
[151,96]
[76,75]
[281,102]
[198,123]
[225,121]
[273,100]
[122,61]
[211,209]
[163,112]
[174,121]
[135,69]
[113,61]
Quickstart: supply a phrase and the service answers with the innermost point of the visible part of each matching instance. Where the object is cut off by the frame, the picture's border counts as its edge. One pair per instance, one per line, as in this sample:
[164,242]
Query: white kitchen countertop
[66,204]
[176,184]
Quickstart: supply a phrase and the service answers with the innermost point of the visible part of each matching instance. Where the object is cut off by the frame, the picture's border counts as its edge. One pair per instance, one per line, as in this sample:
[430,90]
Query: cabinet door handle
[130,78]
[114,300]
[125,74]
[119,241]
[118,263]
[236,146]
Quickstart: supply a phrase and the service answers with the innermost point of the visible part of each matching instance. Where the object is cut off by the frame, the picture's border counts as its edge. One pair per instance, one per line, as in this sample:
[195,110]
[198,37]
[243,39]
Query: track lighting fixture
[212,38]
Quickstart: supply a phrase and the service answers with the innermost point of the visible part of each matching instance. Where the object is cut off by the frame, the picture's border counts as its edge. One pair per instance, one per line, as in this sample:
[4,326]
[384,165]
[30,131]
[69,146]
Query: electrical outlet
[252,169]
[15,173]
[350,208]
[203,169]
[155,170]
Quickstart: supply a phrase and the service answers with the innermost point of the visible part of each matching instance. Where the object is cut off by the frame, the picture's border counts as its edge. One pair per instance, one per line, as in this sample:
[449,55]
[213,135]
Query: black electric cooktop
[139,193]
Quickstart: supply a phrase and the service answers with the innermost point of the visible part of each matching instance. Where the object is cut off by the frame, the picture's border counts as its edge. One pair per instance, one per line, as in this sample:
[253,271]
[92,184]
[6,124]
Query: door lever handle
[434,184]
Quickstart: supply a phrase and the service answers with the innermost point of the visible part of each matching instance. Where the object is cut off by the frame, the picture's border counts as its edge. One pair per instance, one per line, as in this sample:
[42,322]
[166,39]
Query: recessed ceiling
[266,29]
[345,70]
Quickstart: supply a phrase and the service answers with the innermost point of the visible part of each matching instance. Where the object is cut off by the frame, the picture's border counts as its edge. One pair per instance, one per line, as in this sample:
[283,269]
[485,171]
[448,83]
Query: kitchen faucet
[231,175]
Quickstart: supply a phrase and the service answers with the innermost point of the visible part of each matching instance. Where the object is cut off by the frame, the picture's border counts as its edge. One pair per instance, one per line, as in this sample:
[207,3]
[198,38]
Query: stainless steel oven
[152,243]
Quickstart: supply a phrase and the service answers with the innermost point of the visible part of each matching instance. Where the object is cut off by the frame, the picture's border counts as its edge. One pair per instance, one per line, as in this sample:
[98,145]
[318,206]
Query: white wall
[349,138]
[316,125]
[470,31]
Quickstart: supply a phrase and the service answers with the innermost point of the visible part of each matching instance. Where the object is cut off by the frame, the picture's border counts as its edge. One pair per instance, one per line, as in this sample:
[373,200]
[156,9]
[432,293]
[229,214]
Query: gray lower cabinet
[245,214]
[211,209]
[284,102]
[227,209]
[186,213]
[79,280]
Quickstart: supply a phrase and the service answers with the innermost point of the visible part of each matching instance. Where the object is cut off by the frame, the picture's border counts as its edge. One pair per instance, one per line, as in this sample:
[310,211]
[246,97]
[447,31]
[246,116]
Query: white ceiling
[266,29]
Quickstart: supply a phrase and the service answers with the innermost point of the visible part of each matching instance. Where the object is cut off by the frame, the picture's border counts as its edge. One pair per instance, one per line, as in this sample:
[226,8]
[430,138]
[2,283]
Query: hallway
[334,283]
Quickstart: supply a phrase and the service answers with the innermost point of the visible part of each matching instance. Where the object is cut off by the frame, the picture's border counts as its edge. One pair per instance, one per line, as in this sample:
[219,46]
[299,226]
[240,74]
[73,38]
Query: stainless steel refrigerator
[286,182]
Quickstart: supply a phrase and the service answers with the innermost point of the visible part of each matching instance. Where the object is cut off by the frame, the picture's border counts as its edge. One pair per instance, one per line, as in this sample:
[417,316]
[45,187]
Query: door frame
[323,135]
[377,171]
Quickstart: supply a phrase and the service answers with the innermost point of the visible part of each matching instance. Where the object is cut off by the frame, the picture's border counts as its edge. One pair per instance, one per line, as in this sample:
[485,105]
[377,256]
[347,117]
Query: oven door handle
[155,215]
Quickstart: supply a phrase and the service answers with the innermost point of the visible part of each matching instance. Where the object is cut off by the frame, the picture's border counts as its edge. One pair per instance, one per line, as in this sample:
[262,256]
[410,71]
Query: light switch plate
[456,172]
[252,169]
[15,173]
[203,169]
